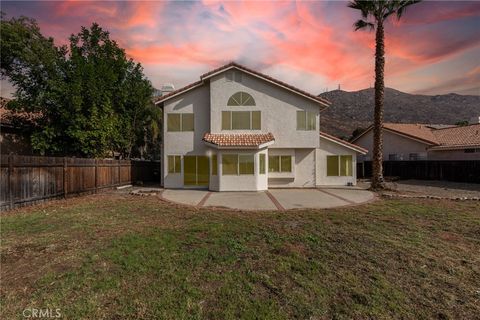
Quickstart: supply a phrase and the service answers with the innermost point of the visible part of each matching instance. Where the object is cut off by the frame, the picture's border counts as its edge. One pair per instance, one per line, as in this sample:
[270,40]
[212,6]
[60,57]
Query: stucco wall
[392,143]
[278,108]
[303,169]
[196,101]
[329,148]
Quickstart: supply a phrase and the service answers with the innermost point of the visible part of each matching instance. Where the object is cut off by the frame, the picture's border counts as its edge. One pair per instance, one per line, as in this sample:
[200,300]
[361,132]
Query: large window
[174,164]
[279,164]
[306,120]
[235,164]
[241,99]
[340,166]
[262,163]
[241,120]
[180,122]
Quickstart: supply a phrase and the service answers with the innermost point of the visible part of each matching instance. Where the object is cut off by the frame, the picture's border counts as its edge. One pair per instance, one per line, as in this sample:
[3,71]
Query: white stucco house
[239,130]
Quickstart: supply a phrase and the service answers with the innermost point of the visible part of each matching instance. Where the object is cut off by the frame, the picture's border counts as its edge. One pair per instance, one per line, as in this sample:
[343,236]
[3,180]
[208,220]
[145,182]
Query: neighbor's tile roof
[321,100]
[463,136]
[346,143]
[238,139]
[414,130]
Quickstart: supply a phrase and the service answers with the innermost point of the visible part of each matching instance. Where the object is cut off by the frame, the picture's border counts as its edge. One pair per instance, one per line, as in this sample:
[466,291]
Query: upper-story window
[180,122]
[306,120]
[241,99]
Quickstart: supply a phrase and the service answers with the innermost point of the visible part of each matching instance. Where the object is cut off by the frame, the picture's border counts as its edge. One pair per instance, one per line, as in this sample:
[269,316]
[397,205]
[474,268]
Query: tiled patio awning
[239,140]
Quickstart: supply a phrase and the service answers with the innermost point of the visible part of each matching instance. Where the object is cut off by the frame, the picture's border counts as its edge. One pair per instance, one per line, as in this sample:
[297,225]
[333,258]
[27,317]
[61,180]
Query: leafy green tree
[90,97]
[374,15]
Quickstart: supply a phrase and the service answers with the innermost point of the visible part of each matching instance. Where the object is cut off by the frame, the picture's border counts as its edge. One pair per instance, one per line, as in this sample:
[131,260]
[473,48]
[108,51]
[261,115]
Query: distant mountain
[350,110]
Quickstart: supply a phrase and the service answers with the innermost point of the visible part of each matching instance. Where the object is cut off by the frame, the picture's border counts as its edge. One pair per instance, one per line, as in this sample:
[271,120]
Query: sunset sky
[434,49]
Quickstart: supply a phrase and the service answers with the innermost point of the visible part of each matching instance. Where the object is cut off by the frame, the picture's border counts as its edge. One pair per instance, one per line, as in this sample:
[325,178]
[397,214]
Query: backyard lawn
[126,257]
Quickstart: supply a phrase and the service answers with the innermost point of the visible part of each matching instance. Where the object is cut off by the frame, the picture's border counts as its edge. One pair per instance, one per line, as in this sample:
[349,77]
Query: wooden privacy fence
[27,179]
[458,171]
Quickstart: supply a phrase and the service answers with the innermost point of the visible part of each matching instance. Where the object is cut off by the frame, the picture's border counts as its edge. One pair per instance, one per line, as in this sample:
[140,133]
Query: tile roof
[204,76]
[462,136]
[238,139]
[343,142]
[414,130]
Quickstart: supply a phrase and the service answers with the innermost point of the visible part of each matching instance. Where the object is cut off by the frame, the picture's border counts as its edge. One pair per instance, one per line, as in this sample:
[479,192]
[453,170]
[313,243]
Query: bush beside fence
[458,171]
[27,179]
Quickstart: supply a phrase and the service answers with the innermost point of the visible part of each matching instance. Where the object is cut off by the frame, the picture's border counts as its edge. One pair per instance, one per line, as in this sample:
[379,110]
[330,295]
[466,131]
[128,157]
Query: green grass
[122,257]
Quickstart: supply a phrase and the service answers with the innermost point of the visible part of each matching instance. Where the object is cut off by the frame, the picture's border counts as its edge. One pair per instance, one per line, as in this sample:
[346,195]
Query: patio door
[196,171]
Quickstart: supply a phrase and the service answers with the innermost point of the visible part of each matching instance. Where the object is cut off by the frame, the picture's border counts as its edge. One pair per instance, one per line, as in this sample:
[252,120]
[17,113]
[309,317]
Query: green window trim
[306,121]
[340,166]
[241,120]
[174,164]
[178,122]
[280,163]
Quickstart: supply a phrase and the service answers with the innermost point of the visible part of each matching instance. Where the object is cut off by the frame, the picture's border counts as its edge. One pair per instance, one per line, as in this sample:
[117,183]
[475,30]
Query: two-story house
[237,129]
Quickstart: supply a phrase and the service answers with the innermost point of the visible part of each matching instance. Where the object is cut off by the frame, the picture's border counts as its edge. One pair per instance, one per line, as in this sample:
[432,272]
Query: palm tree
[374,14]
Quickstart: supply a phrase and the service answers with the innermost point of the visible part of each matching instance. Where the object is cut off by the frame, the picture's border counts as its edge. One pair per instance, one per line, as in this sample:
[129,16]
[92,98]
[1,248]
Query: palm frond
[403,6]
[362,24]
[366,7]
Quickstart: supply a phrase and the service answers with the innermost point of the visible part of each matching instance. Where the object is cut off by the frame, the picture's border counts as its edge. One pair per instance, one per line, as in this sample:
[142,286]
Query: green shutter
[262,163]
[187,122]
[301,121]
[273,164]
[256,120]
[346,166]
[229,164]
[173,122]
[286,164]
[332,166]
[226,120]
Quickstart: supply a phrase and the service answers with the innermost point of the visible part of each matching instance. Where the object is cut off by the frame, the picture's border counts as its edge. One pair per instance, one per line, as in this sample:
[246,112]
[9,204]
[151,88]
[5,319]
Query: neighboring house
[13,139]
[238,129]
[406,141]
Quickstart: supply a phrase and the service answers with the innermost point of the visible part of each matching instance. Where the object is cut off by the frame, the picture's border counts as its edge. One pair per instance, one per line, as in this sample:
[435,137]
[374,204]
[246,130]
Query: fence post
[65,179]
[10,180]
[96,175]
[118,165]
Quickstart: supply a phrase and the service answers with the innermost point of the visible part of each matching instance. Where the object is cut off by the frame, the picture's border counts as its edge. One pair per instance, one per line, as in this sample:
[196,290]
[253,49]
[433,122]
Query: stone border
[406,196]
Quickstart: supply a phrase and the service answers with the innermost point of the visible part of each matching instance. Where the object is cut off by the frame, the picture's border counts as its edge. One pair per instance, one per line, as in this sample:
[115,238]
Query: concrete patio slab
[306,198]
[241,200]
[273,199]
[185,196]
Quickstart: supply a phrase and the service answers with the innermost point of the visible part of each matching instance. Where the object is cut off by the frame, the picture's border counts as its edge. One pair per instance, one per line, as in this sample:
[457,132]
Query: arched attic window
[241,99]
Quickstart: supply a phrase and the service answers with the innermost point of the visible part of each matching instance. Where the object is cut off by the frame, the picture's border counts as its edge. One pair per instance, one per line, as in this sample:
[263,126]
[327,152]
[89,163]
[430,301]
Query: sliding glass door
[196,171]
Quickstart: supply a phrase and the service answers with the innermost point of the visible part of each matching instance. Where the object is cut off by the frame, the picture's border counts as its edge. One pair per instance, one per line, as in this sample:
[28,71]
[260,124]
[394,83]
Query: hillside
[350,110]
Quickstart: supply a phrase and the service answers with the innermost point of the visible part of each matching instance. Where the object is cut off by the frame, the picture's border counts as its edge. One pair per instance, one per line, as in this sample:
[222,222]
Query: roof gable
[323,102]
[343,143]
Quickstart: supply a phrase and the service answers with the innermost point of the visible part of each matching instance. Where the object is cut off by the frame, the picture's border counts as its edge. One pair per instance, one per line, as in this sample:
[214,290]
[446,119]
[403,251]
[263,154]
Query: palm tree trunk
[377,174]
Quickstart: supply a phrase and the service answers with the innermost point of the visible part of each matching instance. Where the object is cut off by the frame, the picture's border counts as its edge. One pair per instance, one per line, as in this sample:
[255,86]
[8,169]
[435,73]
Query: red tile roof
[238,139]
[445,138]
[458,137]
[343,142]
[322,101]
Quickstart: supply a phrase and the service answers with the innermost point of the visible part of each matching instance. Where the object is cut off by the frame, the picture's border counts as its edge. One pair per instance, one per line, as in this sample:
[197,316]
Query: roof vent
[167,87]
